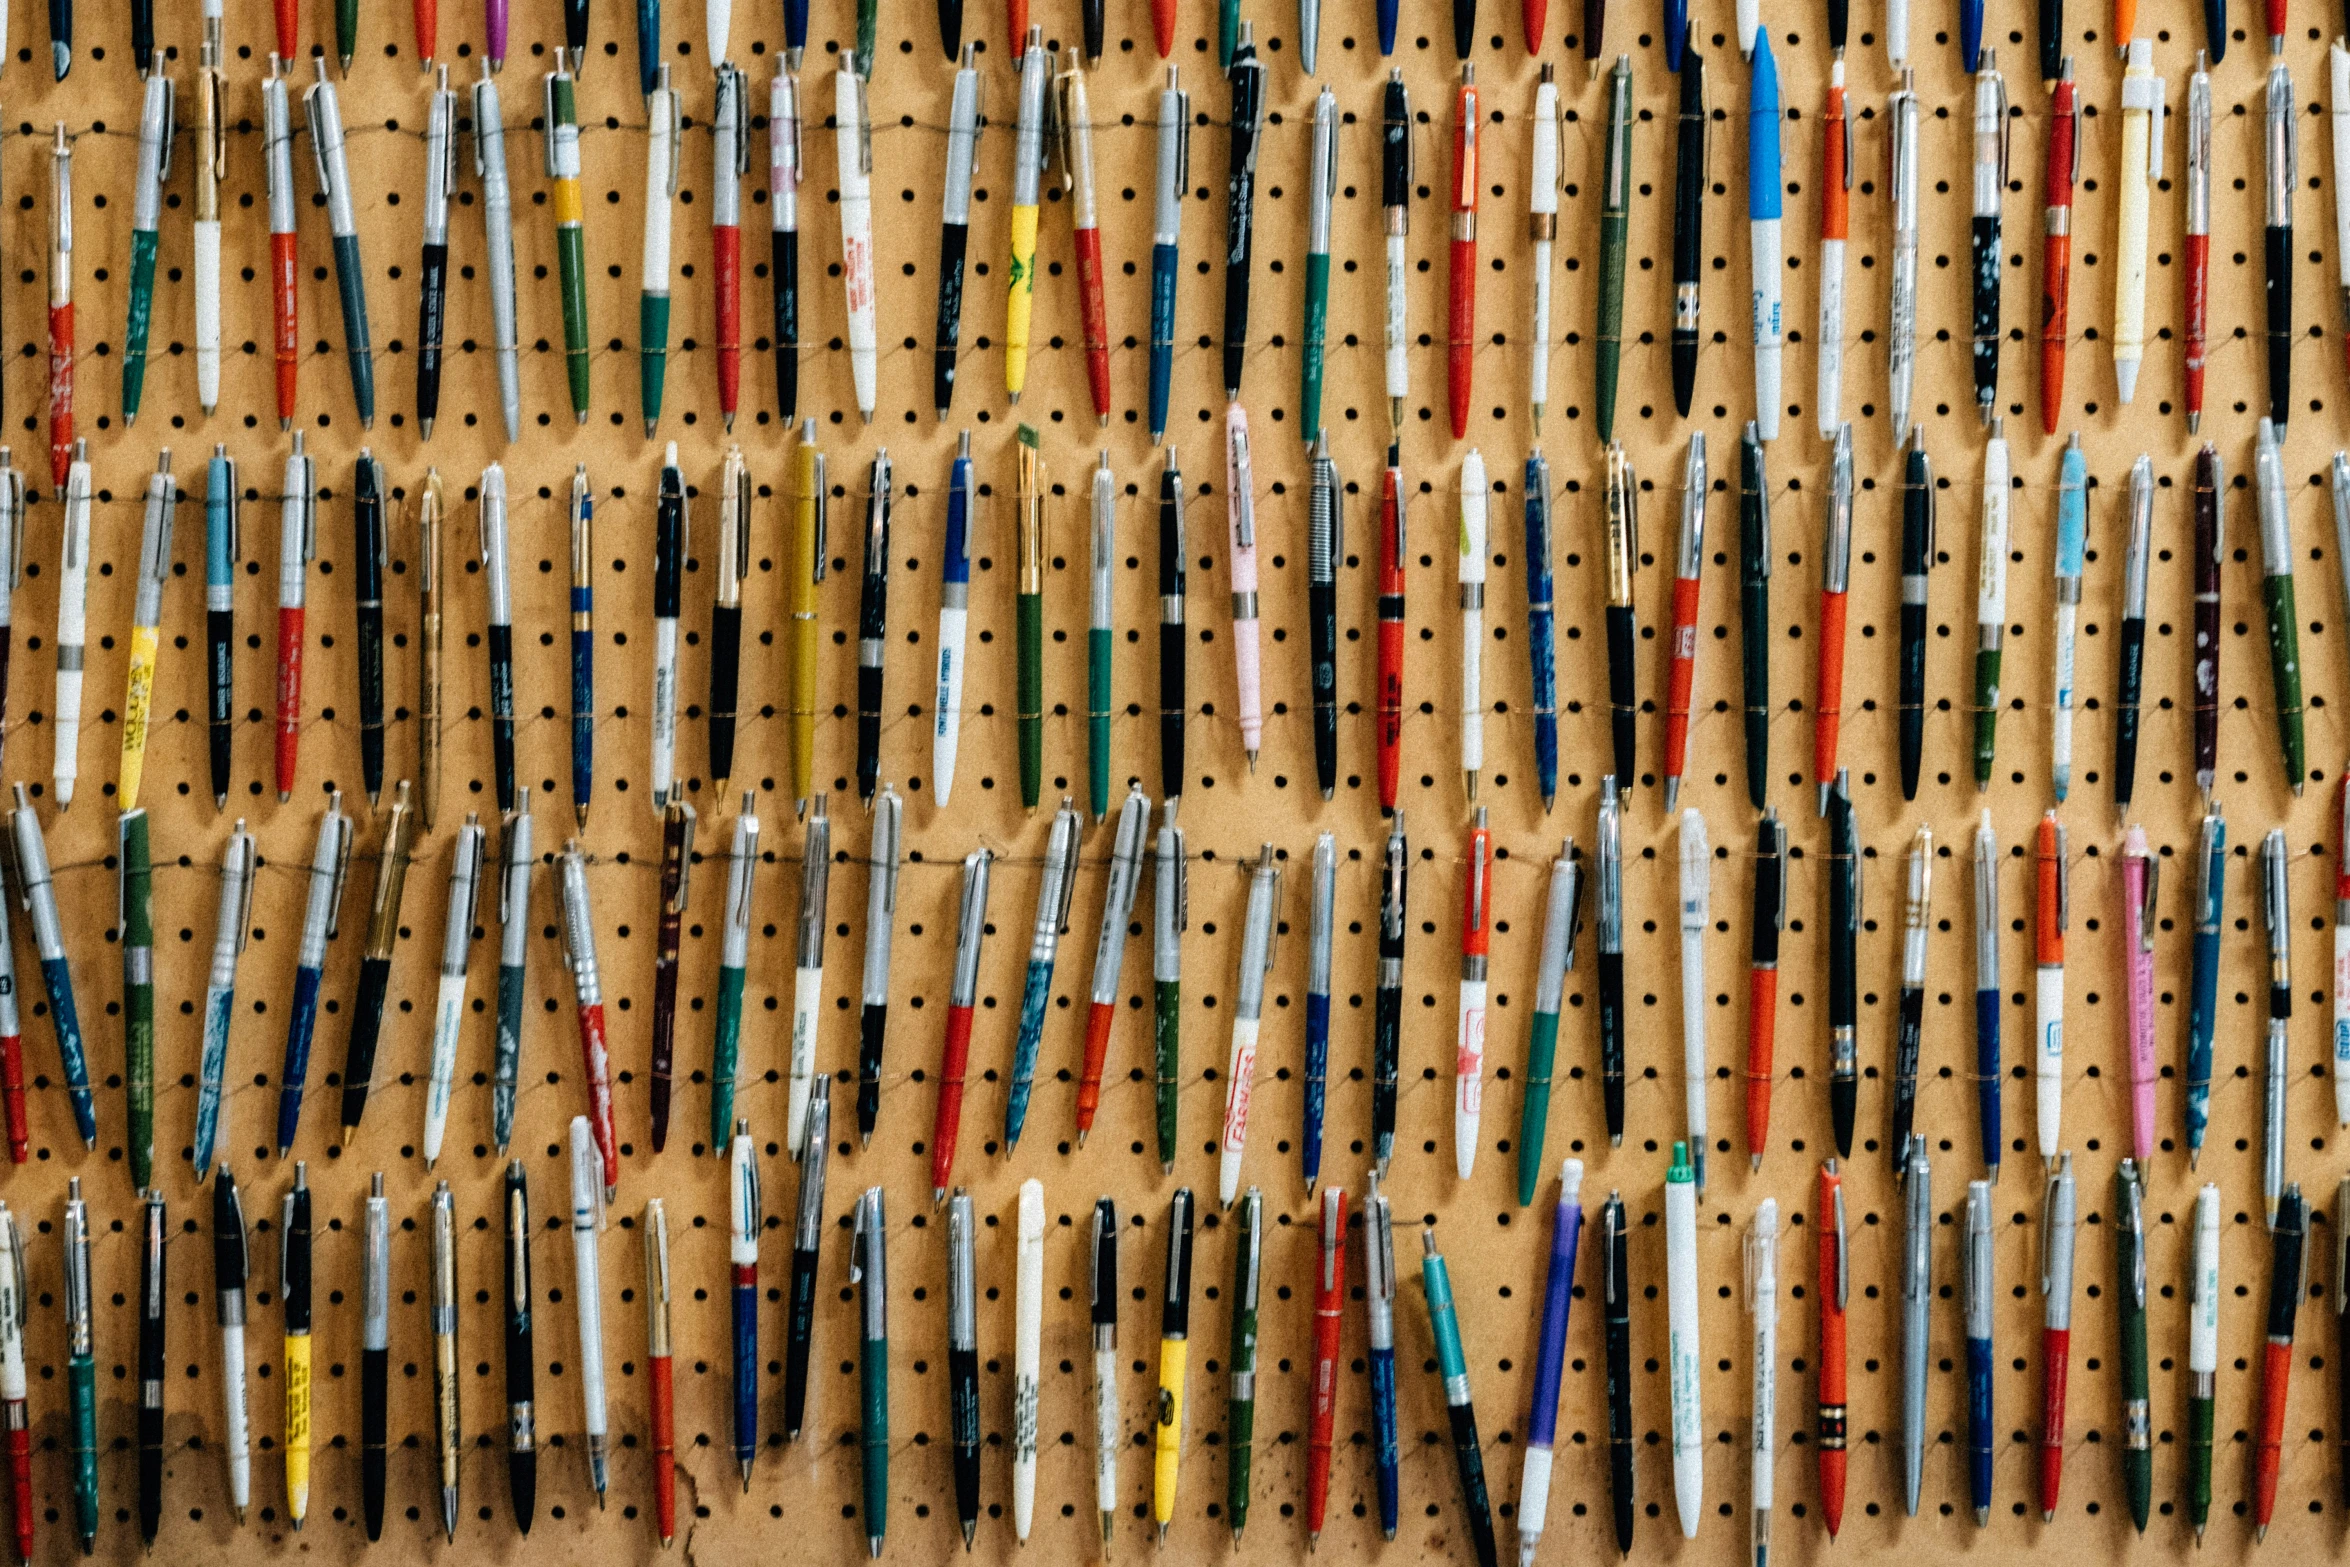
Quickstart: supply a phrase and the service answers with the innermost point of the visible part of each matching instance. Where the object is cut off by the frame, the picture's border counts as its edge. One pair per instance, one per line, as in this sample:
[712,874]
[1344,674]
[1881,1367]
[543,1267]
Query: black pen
[142,53]
[1464,28]
[2282,167]
[223,549]
[1754,610]
[1248,117]
[375,964]
[1843,941]
[1172,635]
[785,170]
[726,615]
[1917,565]
[1689,173]
[1616,1313]
[499,640]
[153,1297]
[1325,548]
[2052,39]
[61,37]
[806,1245]
[963,1362]
[2215,26]
[522,1471]
[575,40]
[367,518]
[2133,641]
[375,1355]
[1611,958]
[954,227]
[1387,1000]
[440,185]
[1468,1453]
[1090,21]
[873,630]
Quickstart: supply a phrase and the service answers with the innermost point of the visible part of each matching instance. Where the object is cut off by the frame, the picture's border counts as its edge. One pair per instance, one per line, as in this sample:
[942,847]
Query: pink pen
[494,16]
[2140,879]
[1240,505]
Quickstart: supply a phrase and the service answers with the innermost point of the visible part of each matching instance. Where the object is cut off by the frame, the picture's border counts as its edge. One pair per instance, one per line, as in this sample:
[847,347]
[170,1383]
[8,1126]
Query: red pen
[2064,133]
[428,31]
[1016,12]
[2058,1214]
[1086,227]
[578,931]
[1109,957]
[969,934]
[1391,567]
[732,157]
[1835,578]
[1762,985]
[1329,1301]
[297,547]
[1461,348]
[1688,562]
[2288,1236]
[1537,18]
[1835,232]
[20,1141]
[2276,27]
[658,1353]
[1834,1287]
[289,14]
[2198,236]
[60,309]
[277,135]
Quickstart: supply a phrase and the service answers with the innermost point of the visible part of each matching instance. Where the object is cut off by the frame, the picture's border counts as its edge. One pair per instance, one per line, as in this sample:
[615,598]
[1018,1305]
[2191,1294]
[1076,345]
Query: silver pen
[808,964]
[158,131]
[1902,373]
[230,932]
[2282,168]
[497,216]
[146,622]
[2058,1210]
[2276,910]
[324,110]
[448,1415]
[1101,634]
[1109,952]
[277,143]
[2198,225]
[882,855]
[587,1219]
[962,998]
[448,1013]
[1321,193]
[963,1359]
[1987,1067]
[1917,1299]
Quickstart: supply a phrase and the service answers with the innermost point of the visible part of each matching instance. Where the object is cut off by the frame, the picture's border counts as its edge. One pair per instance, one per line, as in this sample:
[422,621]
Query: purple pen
[494,14]
[1558,1294]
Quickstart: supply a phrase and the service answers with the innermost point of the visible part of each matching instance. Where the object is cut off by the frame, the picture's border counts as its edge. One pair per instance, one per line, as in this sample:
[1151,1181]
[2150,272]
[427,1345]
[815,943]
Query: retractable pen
[1460,361]
[1991,600]
[498,583]
[440,184]
[1170,918]
[2141,881]
[2211,867]
[587,1212]
[1917,924]
[60,37]
[1688,592]
[1987,992]
[853,155]
[1558,1299]
[1475,560]
[330,864]
[1247,75]
[1543,187]
[730,160]
[37,895]
[1031,152]
[1623,628]
[1170,188]
[1902,175]
[1832,1289]
[577,934]
[660,1369]
[2058,1209]
[1754,610]
[2144,111]
[375,1329]
[1541,627]
[73,628]
[669,529]
[2203,1351]
[1240,510]
[2288,1230]
[883,852]
[583,645]
[1387,998]
[1762,982]
[375,963]
[277,136]
[1844,917]
[1696,890]
[497,215]
[2072,541]
[2276,909]
[2282,170]
[1398,168]
[2135,566]
[12,555]
[1100,634]
[1976,1285]
[448,1013]
[1615,216]
[373,556]
[2129,1238]
[954,613]
[2052,914]
[158,131]
[232,928]
[61,339]
[954,232]
[1612,1022]
[1379,1343]
[1393,561]
[15,1296]
[786,167]
[1835,234]
[1835,583]
[2056,235]
[12,1103]
[2276,592]
[514,933]
[211,168]
[447,1392]
[726,609]
[807,1249]
[1990,192]
[1476,944]
[153,1305]
[1762,1301]
[1325,550]
[1444,1327]
[1109,1425]
[562,161]
[1240,1404]
[1076,126]
[744,1223]
[1174,1360]
[1683,1356]
[664,133]
[81,1364]
[228,1295]
[1109,953]
[869,1269]
[963,1359]
[1054,893]
[2196,242]
[297,546]
[135,920]
[1917,1296]
[146,620]
[962,998]
[1329,1308]
[1028,608]
[1919,532]
[324,110]
[522,1456]
[1256,962]
[1616,1318]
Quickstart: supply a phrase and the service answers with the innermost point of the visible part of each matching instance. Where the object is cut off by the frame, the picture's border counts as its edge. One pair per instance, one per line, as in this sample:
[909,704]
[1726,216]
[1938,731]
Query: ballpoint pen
[228,1295]
[2052,910]
[1615,216]
[375,1328]
[1835,233]
[1990,193]
[61,339]
[1240,1411]
[2282,170]
[1170,188]
[146,620]
[375,963]
[15,1296]
[963,1359]
[954,233]
[807,1248]
[1762,1304]
[1975,1285]
[1460,360]
[2341,1037]
[324,110]
[785,167]
[1028,609]
[744,1223]
[1835,583]
[497,215]
[440,184]
[1379,1345]
[2057,1214]
[153,1304]
[2276,592]
[1393,561]
[577,939]
[1832,1289]
[1541,627]
[1765,204]
[1544,184]
[1901,145]
[954,614]
[2056,239]
[883,853]
[1919,531]
[12,556]
[447,1392]
[664,132]
[2196,241]
[2288,1229]
[1688,591]
[1075,115]
[373,556]
[1247,75]
[869,1268]
[233,928]
[1109,1425]
[2129,1239]
[1754,610]
[852,144]
[277,135]
[430,600]
[2143,113]
[2211,866]
[1444,1328]
[1987,993]
[1616,1325]
[12,1102]
[1696,890]
[970,939]
[1329,1325]
[448,1013]
[1558,1300]
[1476,944]
[1256,962]
[1623,626]
[158,130]
[1240,511]
[1325,548]
[1174,1361]
[1612,1021]
[1109,954]
[330,864]
[73,621]
[1100,634]
[135,918]
[37,895]
[1917,1297]
[669,529]
[1762,997]
[499,611]
[297,546]
[2276,909]
[60,37]
[1053,894]
[81,1364]
[1991,600]
[1398,168]
[1170,918]
[575,39]
[522,1456]
[660,1371]
[730,159]
[2141,881]
[293,1275]
[733,551]
[1917,924]
[1844,917]
[1387,999]
[1682,1356]
[583,645]
[587,1210]
[2203,1350]
[211,167]
[2072,540]
[1475,560]
[562,163]
[2135,565]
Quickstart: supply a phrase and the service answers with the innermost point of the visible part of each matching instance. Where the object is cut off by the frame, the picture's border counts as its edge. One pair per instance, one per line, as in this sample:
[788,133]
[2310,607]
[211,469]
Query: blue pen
[1975,1266]
[1387,12]
[795,32]
[233,929]
[648,44]
[1766,192]
[1970,34]
[37,894]
[583,644]
[1558,1298]
[1379,1312]
[1987,990]
[1541,639]
[1676,33]
[743,1253]
[1318,1001]
[954,610]
[2072,542]
[330,862]
[2211,869]
[1173,183]
[222,547]
[1052,918]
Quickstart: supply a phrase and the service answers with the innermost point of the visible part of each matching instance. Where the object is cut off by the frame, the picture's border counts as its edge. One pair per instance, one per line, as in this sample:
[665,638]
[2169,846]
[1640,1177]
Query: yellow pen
[293,1275]
[807,571]
[146,617]
[1174,1356]
[1031,147]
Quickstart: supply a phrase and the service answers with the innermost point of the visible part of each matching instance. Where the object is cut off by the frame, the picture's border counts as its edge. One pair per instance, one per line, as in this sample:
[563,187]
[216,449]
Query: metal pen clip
[1574,857]
[122,870]
[309,501]
[565,948]
[865,121]
[485,101]
[1748,1262]
[2212,834]
[1559,114]
[1333,1232]
[370,463]
[547,142]
[241,848]
[1063,97]
[1337,512]
[517,1241]
[12,518]
[1182,883]
[658,1291]
[2006,128]
[742,126]
[215,123]
[1776,831]
[1480,867]
[2148,904]
[317,93]
[738,911]
[1067,872]
[469,847]
[786,150]
[754,1213]
[741,475]
[170,122]
[1465,196]
[442,123]
[670,109]
[860,1240]
[2341,1247]
[155,543]
[1612,1240]
[2048,1195]
[1411,148]
[285,1242]
[2064,882]
[889,824]
[15,1241]
[340,826]
[2134,1224]
[686,820]
[1843,1253]
[823,518]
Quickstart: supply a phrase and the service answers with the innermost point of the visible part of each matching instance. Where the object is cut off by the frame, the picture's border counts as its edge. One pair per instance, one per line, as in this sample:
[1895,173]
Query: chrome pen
[808,963]
[37,895]
[497,216]
[232,928]
[324,110]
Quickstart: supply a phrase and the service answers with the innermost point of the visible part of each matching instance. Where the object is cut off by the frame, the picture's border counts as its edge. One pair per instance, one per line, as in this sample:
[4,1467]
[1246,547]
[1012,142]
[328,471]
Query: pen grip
[501,646]
[1167,1063]
[1030,696]
[873,1401]
[1172,702]
[285,312]
[81,1377]
[2201,1421]
[1098,1022]
[431,321]
[800,1329]
[1461,335]
[746,1362]
[60,393]
[1316,1084]
[299,1029]
[785,254]
[1614,235]
[663,1419]
[142,310]
[290,643]
[351,284]
[1623,701]
[297,1442]
[1534,1108]
[1762,1025]
[20,1140]
[1097,717]
[1680,675]
[1912,696]
[1611,1041]
[872,1030]
[2197,254]
[954,241]
[726,244]
[138,1047]
[1978,1422]
[725,1059]
[652,335]
[2055,1368]
[1239,1453]
[1987,1071]
[949,1122]
[1088,243]
[2284,664]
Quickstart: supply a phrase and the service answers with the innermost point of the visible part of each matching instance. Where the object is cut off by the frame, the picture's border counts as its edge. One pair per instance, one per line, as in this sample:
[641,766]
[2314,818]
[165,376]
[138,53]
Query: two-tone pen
[1325,549]
[562,161]
[1682,1353]
[2288,1230]
[1109,1426]
[1991,601]
[664,132]
[497,214]
[2211,868]
[1835,584]
[513,962]
[1329,1325]
[1902,303]
[1616,1330]
[2196,241]
[293,1275]
[233,927]
[1558,1300]
[154,1303]
[297,546]
[1170,188]
[1541,626]
[1544,185]
[1100,634]
[15,1417]
[785,166]
[2209,541]
[2056,237]
[962,999]
[1387,997]
[440,185]
[1919,518]
[61,338]
[1109,953]
[807,1249]
[963,1358]
[431,602]
[1076,126]
[448,1410]
[522,1450]
[1917,1296]
[2203,1349]
[1833,1290]
[660,1371]
[2276,918]
[869,1269]
[81,1361]
[1612,1022]
[1688,591]
[229,1264]
[1460,359]
[162,505]
[1844,916]
[883,853]
[587,1212]
[135,919]
[1475,563]
[1397,169]
[73,629]
[330,864]
[1762,1305]
[2135,566]
[1379,1346]
[954,232]
[1976,1283]
[1170,918]
[1835,234]
[1240,511]
[1031,150]
[1987,993]
[577,941]
[1469,1457]
[1766,195]
[2144,112]
[1696,890]
[1322,924]
[1256,963]
[726,610]
[37,895]
[2276,592]
[211,166]
[373,557]
[2129,1241]
[1754,610]
[669,527]
[583,645]
[158,130]
[1053,895]
[448,1013]
[2052,909]
[954,615]
[730,159]
[2059,1209]
[2281,169]
[223,552]
[1029,613]
[1476,945]
[324,110]
[1240,1404]
[2141,882]
[2072,543]
[1990,193]
[1623,631]
[1174,1360]
[1615,218]
[1691,143]
[1247,76]
[375,963]
[744,1223]
[1762,981]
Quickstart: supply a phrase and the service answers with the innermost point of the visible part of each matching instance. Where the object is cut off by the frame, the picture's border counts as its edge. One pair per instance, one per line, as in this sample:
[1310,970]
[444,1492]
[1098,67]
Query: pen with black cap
[1109,1427]
[81,1364]
[583,644]
[726,614]
[2276,592]
[2129,1239]
[154,1300]
[2133,633]
[1844,916]
[440,185]
[1325,550]
[2281,167]
[806,1251]
[1623,620]
[964,124]
[1754,611]
[1174,637]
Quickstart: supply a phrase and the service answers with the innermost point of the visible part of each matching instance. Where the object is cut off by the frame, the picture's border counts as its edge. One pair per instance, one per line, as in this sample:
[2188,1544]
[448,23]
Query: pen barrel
[20,1141]
[1317,1072]
[1162,362]
[299,1032]
[1623,700]
[1680,674]
[1317,335]
[297,1439]
[138,1045]
[501,649]
[1036,993]
[784,253]
[663,1419]
[351,285]
[725,1056]
[1322,627]
[2276,1366]
[1095,314]
[2198,310]
[20,1475]
[1762,988]
[799,1330]
[375,977]
[1754,634]
[583,699]
[81,1376]
[1097,717]
[726,244]
[1987,1070]
[571,253]
[954,241]
[1461,333]
[1990,262]
[1172,702]
[652,327]
[2056,1365]
[1828,713]
[1030,696]
[948,1124]
[60,392]
[506,1067]
[2284,664]
[285,312]
[2277,246]
[963,1414]
[290,641]
[142,309]
[872,1031]
[726,639]
[1611,1041]
[2055,322]
[1978,1420]
[1098,1022]
[1167,1062]
[746,1362]
[873,1401]
[1386,1061]
[1614,235]
[431,321]
[1534,1106]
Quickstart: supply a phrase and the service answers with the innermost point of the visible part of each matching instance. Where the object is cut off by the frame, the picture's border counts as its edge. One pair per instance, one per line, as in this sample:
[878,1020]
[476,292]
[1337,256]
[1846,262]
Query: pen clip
[864,123]
[2148,903]
[285,1247]
[1843,1252]
[670,110]
[1559,114]
[860,1242]
[311,112]
[308,502]
[2054,1184]
[738,905]
[1777,832]
[1060,123]
[15,1237]
[2157,118]
[547,143]
[12,502]
[1068,876]
[823,520]
[684,822]
[372,467]
[469,847]
[170,126]
[340,826]
[215,126]
[2006,130]
[122,871]
[241,847]
[236,509]
[485,101]
[1182,883]
[2064,884]
[742,128]
[1574,857]
[742,516]
[1273,917]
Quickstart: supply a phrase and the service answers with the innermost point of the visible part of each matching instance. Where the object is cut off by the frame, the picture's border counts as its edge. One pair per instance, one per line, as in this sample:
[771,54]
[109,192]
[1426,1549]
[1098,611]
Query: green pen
[1248,1267]
[1322,177]
[81,1366]
[1227,33]
[347,33]
[742,864]
[562,105]
[155,139]
[2129,1271]
[664,130]
[2276,589]
[1560,921]
[868,22]
[1615,218]
[136,915]
[869,1267]
[1029,607]
[1170,917]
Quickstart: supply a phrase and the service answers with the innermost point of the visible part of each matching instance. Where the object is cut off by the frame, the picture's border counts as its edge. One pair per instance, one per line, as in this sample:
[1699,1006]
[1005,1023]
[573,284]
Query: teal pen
[742,865]
[513,955]
[81,1366]
[1562,918]
[1100,634]
[869,1268]
[155,140]
[1322,183]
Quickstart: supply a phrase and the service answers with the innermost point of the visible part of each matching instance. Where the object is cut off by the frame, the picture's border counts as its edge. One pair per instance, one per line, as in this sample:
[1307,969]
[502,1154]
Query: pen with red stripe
[1109,953]
[730,157]
[297,547]
[578,932]
[2289,1236]
[285,313]
[2057,1215]
[1461,334]
[1835,579]
[1391,606]
[1688,567]
[970,932]
[2064,133]
[2276,27]
[1085,232]
[1833,1287]
[1329,1302]
[1762,986]
[289,14]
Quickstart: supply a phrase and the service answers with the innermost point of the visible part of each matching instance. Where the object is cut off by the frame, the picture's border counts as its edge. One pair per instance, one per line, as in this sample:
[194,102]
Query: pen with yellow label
[1031,147]
[293,1274]
[1174,1352]
[146,621]
[562,131]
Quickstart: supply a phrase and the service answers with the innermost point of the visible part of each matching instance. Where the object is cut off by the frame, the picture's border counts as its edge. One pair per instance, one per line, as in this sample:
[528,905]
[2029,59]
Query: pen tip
[423,425]
[220,802]
[1082,1133]
[2194,1159]
[938,1196]
[1327,792]
[2259,1533]
[349,1133]
[578,416]
[873,1547]
[1991,1172]
[1982,786]
[1672,792]
[1823,799]
[284,796]
[1104,420]
[1754,1164]
[208,409]
[727,418]
[1166,1167]
[970,1528]
[1982,1517]
[1395,412]
[746,1476]
[654,424]
[1252,765]
[1312,1181]
[284,423]
[2195,425]
[1615,1139]
[129,418]
[2048,1515]
[297,1525]
[240,1517]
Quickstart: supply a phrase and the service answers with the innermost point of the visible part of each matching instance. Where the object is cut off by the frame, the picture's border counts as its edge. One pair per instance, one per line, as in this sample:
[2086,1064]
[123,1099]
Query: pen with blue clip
[2211,870]
[38,896]
[1541,634]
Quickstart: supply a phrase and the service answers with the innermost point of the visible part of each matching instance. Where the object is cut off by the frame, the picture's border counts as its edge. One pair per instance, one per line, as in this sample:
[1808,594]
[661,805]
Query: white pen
[1682,1358]
[211,166]
[73,608]
[718,24]
[853,147]
[1027,1355]
[1240,510]
[1256,961]
[230,931]
[1902,145]
[1991,600]
[1762,1302]
[2203,1315]
[954,617]
[1897,33]
[1835,228]
[1542,227]
[587,1220]
[228,1298]
[497,216]
[1697,869]
[664,132]
[2052,912]
[1474,555]
[1766,196]
[448,1013]
[807,990]
[2143,113]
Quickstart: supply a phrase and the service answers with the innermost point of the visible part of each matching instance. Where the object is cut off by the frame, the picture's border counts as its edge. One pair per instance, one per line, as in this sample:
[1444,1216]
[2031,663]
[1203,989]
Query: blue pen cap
[1765,185]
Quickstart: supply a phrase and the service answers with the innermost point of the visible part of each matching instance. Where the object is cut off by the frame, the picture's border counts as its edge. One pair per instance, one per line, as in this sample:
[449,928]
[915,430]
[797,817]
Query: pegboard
[1495,1248]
